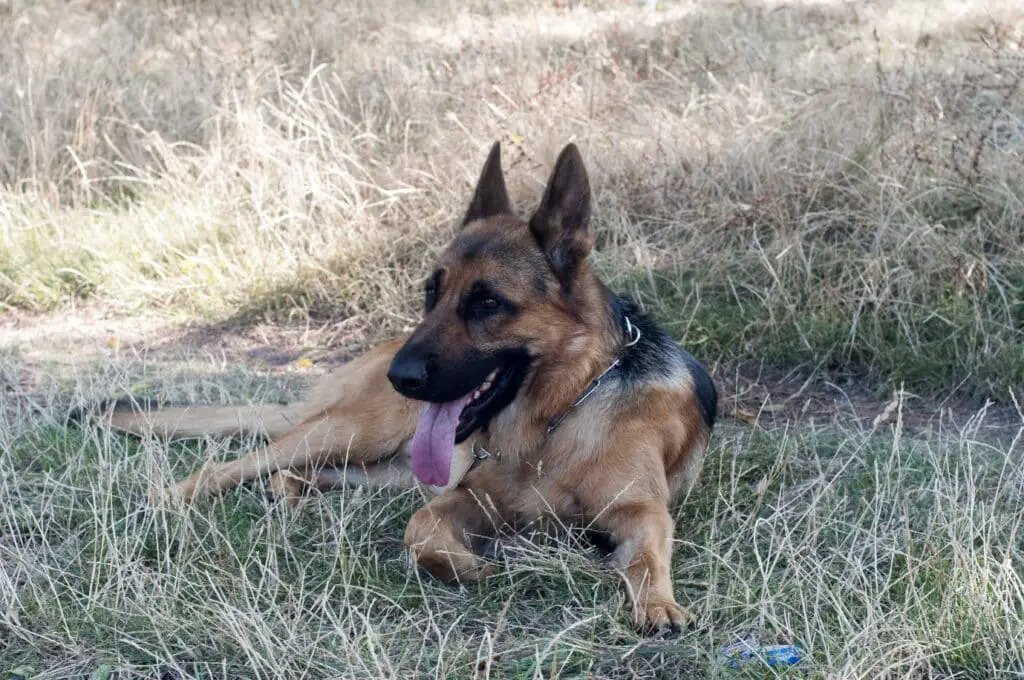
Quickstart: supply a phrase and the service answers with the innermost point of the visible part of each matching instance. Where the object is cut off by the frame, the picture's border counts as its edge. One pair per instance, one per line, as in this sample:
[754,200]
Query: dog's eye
[485,304]
[482,302]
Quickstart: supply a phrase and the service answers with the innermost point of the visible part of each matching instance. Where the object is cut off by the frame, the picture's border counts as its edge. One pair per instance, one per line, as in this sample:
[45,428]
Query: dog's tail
[141,417]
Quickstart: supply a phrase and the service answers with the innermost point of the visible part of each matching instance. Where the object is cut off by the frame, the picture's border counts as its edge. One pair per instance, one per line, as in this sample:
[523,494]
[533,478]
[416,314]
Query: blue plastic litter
[744,652]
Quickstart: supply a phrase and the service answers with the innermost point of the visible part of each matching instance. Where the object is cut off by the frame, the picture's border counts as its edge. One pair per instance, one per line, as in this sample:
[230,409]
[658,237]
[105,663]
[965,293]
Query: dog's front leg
[439,536]
[641,530]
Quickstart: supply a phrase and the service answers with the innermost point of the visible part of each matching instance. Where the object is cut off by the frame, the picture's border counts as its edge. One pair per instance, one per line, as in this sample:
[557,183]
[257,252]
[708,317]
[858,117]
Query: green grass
[934,346]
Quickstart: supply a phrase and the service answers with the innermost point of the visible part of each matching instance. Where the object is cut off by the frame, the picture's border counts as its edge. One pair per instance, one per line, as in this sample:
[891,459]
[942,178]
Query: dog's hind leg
[196,422]
[331,438]
[394,472]
[291,485]
[354,416]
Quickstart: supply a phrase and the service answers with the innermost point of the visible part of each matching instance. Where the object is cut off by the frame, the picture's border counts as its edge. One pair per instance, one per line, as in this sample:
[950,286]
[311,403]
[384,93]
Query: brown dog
[528,392]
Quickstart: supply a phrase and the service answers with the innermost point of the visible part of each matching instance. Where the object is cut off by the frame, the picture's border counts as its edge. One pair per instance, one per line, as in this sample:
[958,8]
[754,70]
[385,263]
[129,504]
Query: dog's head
[502,295]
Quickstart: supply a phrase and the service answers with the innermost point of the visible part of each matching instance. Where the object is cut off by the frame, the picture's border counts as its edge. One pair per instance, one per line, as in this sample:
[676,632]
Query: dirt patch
[771,399]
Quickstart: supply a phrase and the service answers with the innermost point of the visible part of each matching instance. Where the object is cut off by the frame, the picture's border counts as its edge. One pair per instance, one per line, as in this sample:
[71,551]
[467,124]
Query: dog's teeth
[486,385]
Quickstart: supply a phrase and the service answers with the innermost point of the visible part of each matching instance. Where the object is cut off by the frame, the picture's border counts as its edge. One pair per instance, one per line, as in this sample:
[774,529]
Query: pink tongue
[433,445]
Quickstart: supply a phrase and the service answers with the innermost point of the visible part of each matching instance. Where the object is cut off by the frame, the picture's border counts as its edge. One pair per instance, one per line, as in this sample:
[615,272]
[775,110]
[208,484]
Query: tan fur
[614,465]
[269,421]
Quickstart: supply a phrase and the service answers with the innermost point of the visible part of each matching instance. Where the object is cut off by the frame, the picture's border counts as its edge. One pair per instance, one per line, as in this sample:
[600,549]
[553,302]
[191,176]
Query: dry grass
[776,180]
[822,186]
[881,554]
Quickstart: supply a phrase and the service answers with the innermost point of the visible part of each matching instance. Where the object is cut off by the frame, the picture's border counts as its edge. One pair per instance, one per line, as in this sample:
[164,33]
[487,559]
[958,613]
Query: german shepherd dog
[528,393]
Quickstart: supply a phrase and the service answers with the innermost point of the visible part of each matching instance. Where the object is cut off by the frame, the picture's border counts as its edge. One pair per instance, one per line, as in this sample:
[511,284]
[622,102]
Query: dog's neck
[583,355]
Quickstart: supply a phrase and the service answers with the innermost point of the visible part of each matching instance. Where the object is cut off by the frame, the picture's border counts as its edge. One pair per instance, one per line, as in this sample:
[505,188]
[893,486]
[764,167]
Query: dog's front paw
[663,619]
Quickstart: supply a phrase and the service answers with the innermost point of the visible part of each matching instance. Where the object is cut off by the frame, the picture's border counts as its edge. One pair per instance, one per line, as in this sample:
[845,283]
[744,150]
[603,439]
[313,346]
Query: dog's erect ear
[560,223]
[490,197]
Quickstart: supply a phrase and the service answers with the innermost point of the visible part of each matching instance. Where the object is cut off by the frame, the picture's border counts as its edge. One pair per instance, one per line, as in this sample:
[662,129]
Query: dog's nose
[408,374]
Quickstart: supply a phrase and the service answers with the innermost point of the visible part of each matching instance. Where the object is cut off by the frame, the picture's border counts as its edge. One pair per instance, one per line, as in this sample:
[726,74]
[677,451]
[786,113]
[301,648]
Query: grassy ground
[215,201]
[882,554]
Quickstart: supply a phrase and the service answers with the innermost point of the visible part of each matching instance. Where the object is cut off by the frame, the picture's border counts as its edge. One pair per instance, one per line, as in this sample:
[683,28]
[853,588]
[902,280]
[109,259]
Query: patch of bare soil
[773,399]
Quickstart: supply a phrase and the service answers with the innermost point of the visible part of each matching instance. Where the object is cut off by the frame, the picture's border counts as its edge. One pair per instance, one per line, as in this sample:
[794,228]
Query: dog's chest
[524,494]
[530,472]
[525,486]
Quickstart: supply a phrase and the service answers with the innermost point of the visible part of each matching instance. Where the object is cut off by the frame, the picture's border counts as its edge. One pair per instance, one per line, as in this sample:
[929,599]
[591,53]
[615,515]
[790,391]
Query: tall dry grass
[829,185]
